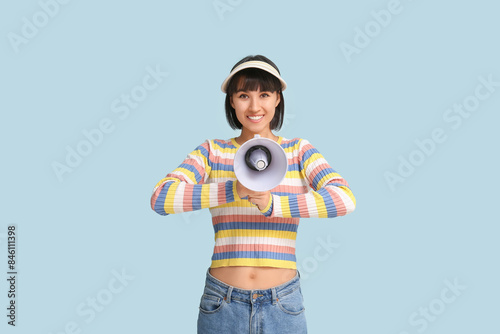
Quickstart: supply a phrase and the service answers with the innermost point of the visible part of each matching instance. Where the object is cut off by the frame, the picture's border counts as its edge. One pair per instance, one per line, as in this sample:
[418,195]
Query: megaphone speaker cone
[260,164]
[258,157]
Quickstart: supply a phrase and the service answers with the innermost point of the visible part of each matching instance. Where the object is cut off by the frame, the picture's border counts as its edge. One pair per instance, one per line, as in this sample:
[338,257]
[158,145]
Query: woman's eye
[265,95]
[243,96]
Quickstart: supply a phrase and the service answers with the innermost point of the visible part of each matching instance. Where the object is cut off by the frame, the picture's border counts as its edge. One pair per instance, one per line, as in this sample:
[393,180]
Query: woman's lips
[255,119]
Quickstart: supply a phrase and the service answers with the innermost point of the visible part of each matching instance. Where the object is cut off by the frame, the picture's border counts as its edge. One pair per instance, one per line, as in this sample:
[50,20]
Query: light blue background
[394,253]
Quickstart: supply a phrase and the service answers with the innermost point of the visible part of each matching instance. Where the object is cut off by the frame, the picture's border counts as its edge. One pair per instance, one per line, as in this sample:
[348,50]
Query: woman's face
[255,109]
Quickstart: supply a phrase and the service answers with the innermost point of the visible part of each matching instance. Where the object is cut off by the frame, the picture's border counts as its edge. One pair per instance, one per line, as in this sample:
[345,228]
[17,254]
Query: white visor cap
[253,64]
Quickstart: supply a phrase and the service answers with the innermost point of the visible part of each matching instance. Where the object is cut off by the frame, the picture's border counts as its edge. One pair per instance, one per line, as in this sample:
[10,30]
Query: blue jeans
[225,309]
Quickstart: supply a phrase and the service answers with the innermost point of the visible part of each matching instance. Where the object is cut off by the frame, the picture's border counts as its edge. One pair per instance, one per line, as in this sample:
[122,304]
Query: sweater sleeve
[329,195]
[184,189]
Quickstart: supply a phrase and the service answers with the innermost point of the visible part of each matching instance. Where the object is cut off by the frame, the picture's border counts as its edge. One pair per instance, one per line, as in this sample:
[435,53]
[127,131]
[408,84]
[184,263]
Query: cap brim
[253,64]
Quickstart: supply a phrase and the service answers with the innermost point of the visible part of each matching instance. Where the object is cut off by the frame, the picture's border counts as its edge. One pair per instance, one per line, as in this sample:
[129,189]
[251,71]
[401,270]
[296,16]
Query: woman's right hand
[242,190]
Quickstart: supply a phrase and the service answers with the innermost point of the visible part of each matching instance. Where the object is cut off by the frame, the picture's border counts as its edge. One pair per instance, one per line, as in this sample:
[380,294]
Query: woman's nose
[254,105]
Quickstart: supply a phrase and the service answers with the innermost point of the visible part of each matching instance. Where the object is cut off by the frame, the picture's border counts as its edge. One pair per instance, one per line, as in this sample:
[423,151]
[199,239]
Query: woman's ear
[278,100]
[231,101]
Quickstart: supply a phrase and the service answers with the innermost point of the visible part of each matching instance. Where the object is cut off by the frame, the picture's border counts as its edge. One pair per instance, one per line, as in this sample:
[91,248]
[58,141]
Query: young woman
[253,285]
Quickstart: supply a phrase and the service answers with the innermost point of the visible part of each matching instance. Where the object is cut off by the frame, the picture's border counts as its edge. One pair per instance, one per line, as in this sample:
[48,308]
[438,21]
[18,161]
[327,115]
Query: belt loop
[228,296]
[273,292]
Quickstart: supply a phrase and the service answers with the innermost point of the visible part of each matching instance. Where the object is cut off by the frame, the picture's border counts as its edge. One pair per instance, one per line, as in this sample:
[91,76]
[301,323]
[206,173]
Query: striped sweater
[245,235]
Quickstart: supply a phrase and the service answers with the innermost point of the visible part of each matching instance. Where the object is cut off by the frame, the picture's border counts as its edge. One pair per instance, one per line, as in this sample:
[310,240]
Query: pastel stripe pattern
[245,235]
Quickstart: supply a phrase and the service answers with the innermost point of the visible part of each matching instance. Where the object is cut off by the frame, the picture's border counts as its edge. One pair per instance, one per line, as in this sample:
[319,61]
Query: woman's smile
[255,119]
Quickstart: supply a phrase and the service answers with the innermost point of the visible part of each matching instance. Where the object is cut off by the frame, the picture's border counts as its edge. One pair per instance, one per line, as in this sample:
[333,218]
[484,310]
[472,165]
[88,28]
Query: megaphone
[260,164]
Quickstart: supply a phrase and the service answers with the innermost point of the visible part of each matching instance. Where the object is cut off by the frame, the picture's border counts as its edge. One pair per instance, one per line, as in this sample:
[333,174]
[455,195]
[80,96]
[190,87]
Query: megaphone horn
[258,158]
[260,164]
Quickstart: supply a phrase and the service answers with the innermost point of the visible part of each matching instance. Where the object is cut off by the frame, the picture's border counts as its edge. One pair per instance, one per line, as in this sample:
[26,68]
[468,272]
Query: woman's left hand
[261,199]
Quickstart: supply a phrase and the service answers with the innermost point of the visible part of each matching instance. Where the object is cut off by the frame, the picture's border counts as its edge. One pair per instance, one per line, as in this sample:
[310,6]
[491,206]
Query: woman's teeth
[255,118]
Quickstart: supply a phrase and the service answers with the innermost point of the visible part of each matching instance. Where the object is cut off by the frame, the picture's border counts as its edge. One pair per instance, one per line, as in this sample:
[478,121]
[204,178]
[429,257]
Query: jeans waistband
[255,295]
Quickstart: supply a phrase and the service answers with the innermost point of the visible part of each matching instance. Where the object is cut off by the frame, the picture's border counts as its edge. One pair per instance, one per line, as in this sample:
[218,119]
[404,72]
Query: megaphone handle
[259,198]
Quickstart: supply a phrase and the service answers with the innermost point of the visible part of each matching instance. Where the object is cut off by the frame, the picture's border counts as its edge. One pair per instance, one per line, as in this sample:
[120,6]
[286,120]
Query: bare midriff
[253,278]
